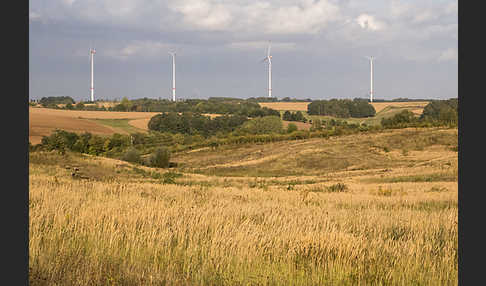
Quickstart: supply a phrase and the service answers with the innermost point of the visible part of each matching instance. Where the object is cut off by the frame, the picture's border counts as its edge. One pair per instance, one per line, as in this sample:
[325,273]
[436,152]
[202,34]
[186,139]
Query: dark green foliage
[59,140]
[444,111]
[132,155]
[195,123]
[79,106]
[54,100]
[294,116]
[160,158]
[402,119]
[96,144]
[342,108]
[214,105]
[263,125]
[291,127]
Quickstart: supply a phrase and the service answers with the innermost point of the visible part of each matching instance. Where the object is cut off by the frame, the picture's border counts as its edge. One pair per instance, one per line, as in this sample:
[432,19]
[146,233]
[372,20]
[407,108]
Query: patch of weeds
[155,175]
[435,177]
[386,149]
[339,187]
[397,232]
[318,189]
[404,152]
[384,192]
[291,186]
[336,188]
[455,148]
[169,177]
[437,189]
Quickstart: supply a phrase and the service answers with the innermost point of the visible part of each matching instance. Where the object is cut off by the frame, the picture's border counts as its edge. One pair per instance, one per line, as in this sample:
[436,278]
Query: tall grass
[127,232]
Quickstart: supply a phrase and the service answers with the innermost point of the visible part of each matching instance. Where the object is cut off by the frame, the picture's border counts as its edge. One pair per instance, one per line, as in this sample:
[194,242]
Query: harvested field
[291,106]
[415,106]
[42,121]
[141,123]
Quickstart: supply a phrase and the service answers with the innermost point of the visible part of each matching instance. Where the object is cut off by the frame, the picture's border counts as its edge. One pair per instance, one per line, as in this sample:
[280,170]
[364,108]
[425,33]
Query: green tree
[287,116]
[79,106]
[132,155]
[263,125]
[291,127]
[160,157]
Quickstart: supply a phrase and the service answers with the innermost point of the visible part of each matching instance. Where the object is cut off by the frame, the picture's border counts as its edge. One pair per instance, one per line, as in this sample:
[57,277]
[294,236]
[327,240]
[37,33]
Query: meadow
[366,209]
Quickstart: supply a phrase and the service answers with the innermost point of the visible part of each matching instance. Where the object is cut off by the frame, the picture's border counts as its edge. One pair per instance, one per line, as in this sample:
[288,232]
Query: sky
[319,48]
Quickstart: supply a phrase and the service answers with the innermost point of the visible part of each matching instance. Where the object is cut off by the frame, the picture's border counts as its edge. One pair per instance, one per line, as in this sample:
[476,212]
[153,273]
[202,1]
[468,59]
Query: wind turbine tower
[371,80]
[173,54]
[269,60]
[92,52]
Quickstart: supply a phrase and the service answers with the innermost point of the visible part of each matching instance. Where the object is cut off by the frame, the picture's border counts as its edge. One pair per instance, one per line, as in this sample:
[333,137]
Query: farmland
[42,121]
[366,209]
[415,106]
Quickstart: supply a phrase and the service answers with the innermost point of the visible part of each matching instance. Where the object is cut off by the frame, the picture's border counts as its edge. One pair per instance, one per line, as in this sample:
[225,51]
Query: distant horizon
[278,99]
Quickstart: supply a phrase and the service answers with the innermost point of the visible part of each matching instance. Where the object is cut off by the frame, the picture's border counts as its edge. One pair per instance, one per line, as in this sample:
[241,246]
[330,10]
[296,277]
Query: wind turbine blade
[265,59]
[268,49]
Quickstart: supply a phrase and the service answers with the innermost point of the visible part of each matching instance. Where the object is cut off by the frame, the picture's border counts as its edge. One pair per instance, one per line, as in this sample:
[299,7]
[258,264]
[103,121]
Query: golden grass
[141,123]
[414,106]
[125,229]
[291,106]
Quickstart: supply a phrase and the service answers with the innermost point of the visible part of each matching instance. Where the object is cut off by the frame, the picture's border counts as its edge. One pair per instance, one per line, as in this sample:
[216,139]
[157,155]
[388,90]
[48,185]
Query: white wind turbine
[269,59]
[92,52]
[173,54]
[371,58]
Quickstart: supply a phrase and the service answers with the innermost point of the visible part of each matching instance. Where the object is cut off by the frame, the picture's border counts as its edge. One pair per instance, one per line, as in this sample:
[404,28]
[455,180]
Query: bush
[263,125]
[132,155]
[291,128]
[160,158]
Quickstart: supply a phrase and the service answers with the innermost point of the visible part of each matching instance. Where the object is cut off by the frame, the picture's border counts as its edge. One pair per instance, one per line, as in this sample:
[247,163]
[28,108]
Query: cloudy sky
[319,48]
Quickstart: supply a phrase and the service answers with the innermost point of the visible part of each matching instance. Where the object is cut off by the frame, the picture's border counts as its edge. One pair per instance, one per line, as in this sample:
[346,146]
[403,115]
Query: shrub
[160,158]
[291,128]
[169,177]
[263,125]
[132,155]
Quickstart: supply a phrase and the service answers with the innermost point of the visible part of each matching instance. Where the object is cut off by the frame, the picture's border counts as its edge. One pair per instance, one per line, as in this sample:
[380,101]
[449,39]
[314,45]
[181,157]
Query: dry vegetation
[291,106]
[287,213]
[415,106]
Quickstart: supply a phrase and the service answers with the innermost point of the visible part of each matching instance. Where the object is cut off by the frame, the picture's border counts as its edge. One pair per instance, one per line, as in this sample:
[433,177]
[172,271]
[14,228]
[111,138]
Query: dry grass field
[291,106]
[42,121]
[368,209]
[414,106]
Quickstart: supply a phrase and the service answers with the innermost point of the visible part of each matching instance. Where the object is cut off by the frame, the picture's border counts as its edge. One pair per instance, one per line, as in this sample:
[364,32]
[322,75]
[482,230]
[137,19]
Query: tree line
[294,116]
[435,113]
[342,108]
